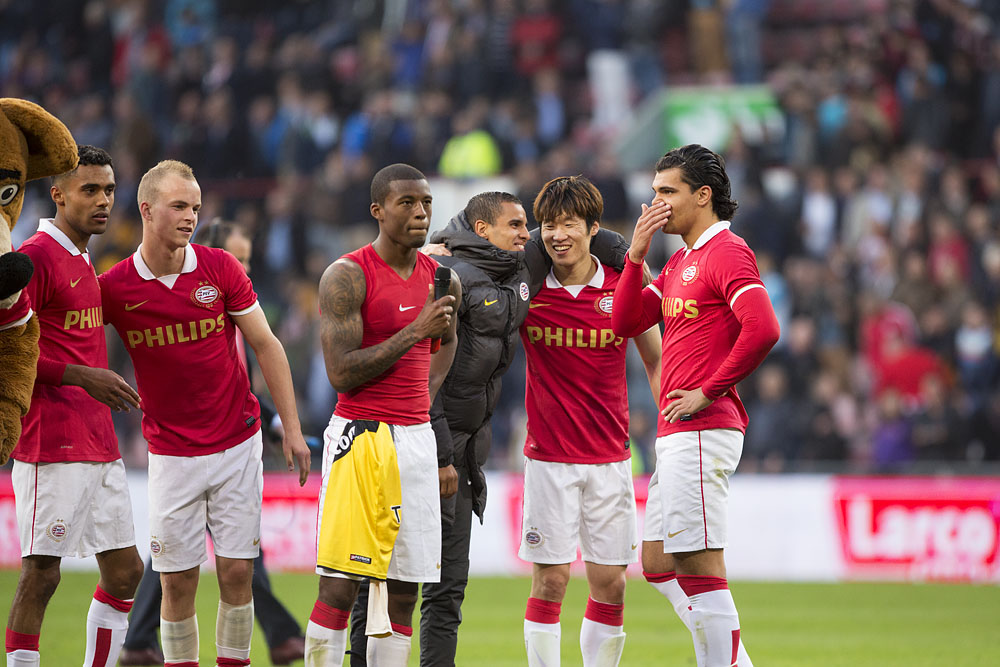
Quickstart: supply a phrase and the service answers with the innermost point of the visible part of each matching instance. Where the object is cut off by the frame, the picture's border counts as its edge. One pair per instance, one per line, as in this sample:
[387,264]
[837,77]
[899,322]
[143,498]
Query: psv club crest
[603,304]
[205,295]
[689,274]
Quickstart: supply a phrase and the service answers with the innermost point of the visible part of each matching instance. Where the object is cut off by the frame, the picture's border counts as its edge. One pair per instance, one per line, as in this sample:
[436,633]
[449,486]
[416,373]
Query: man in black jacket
[501,267]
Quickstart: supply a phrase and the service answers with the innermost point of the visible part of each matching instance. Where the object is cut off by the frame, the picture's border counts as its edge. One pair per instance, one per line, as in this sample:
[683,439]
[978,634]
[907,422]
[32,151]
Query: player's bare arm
[652,219]
[648,343]
[440,365]
[348,365]
[103,385]
[278,376]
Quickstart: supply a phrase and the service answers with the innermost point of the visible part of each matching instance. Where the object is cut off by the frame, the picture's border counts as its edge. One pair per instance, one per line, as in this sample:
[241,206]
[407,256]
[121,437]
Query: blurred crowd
[874,212]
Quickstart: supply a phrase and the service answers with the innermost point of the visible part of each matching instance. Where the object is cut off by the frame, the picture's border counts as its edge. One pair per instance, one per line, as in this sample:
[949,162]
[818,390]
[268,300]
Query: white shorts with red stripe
[74,508]
[688,500]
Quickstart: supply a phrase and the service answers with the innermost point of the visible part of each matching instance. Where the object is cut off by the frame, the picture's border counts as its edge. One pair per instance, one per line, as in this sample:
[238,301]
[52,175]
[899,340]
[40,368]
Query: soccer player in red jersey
[69,481]
[378,316]
[578,478]
[719,326]
[176,307]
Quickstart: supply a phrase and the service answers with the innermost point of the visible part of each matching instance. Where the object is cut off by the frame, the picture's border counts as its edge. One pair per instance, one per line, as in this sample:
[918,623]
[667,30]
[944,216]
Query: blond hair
[149,186]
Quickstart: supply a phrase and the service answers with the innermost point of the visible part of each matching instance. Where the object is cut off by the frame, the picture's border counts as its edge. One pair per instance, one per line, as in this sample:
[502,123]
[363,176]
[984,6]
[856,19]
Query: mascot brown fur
[33,144]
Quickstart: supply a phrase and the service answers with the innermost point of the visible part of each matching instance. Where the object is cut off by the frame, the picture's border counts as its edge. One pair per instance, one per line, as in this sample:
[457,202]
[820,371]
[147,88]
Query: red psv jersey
[64,423]
[400,395]
[180,334]
[696,290]
[575,390]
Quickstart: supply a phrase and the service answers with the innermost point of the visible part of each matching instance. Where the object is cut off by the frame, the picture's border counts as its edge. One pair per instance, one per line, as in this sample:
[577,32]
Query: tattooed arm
[348,365]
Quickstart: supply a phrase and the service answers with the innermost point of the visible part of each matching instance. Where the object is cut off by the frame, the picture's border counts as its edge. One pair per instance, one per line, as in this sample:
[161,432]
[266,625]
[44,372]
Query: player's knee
[40,576]
[125,579]
[552,584]
[611,590]
[236,575]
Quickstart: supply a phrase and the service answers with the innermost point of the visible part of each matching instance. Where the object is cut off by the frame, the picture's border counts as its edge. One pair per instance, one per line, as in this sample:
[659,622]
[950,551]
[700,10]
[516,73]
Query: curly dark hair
[699,166]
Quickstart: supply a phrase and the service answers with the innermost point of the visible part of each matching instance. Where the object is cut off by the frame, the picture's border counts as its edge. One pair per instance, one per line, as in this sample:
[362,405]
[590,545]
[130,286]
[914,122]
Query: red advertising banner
[919,528]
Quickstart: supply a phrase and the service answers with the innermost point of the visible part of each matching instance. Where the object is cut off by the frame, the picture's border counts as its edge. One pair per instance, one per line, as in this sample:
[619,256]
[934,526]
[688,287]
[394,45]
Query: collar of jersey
[190,263]
[596,281]
[709,234]
[48,226]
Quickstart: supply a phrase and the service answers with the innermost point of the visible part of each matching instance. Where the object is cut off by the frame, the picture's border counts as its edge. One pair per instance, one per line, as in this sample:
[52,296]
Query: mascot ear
[51,148]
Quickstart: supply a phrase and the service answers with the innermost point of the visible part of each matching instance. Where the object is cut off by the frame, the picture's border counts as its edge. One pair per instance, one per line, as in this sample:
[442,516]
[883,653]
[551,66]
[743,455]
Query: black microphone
[442,285]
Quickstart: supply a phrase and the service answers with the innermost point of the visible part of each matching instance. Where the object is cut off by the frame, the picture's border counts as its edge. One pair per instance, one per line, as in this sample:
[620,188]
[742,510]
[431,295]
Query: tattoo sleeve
[348,365]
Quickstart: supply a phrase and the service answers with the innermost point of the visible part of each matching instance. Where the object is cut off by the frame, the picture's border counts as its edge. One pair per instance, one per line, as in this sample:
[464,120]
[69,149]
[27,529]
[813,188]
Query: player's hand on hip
[435,317]
[296,450]
[651,220]
[686,403]
[103,385]
[448,480]
[439,249]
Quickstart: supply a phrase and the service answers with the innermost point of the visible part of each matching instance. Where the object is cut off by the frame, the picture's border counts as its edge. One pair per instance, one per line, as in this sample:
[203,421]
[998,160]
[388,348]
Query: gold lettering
[554,336]
[87,319]
[593,338]
[579,338]
[100,316]
[170,335]
[72,317]
[534,334]
[181,338]
[607,336]
[134,338]
[193,326]
[207,327]
[690,309]
[154,337]
[220,322]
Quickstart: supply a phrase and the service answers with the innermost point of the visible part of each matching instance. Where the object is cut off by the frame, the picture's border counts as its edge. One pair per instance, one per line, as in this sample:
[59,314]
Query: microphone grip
[442,285]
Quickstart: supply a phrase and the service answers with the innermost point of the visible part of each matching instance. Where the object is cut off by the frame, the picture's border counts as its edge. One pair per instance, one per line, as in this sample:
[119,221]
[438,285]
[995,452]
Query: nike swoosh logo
[256,542]
[403,308]
[634,546]
[538,305]
[673,535]
[73,283]
[490,303]
[133,307]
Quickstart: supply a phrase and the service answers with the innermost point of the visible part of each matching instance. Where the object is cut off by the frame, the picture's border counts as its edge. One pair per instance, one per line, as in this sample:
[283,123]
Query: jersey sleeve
[734,271]
[238,294]
[635,308]
[39,288]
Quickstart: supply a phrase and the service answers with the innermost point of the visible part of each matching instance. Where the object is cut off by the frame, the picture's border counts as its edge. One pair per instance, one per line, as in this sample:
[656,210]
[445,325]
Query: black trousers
[277,623]
[441,609]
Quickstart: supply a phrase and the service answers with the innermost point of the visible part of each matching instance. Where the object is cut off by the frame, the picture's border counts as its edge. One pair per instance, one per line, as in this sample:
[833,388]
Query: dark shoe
[288,651]
[134,657]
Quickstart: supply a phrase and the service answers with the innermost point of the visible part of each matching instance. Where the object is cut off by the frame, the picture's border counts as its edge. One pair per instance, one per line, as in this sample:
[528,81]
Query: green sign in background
[707,116]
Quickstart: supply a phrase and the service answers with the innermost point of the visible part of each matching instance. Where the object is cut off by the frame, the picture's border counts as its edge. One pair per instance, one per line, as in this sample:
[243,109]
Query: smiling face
[405,215]
[171,218]
[84,199]
[510,229]
[567,241]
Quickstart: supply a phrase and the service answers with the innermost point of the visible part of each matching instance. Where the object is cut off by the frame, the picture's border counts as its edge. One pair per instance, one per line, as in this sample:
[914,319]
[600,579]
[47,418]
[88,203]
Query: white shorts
[589,505]
[76,508]
[416,556]
[222,491]
[688,498]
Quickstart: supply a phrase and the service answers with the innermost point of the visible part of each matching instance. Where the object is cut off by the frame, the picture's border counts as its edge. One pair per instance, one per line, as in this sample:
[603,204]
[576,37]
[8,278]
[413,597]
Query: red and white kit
[399,397]
[69,482]
[578,479]
[196,401]
[708,342]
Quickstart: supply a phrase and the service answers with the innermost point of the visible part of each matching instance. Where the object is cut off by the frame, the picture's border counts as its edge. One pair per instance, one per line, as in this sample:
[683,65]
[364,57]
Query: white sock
[541,640]
[391,651]
[716,627]
[233,630]
[179,639]
[672,590]
[23,658]
[601,644]
[325,647]
[106,629]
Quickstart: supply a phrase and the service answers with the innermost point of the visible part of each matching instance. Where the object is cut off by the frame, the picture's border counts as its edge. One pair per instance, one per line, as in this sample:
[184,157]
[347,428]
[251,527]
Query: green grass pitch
[784,624]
